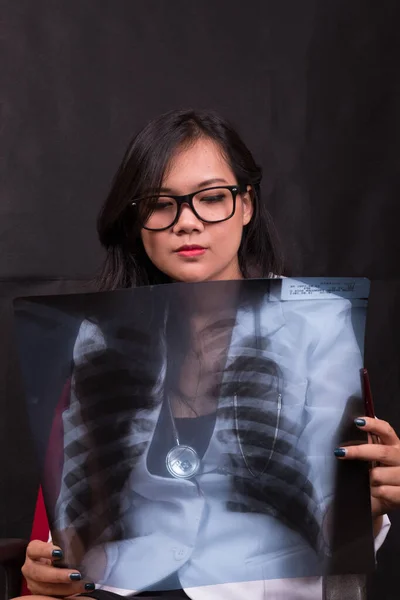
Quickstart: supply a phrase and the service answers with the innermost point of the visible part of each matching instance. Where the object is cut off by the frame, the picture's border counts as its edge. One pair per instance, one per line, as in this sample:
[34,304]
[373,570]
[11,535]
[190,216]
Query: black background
[314,88]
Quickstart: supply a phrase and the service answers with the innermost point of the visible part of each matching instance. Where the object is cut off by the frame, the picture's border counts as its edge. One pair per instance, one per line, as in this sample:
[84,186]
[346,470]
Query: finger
[387,455]
[34,597]
[383,429]
[57,589]
[385,476]
[388,495]
[37,550]
[43,573]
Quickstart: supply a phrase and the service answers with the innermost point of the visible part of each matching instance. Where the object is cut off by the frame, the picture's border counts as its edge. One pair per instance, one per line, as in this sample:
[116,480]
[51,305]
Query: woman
[159,225]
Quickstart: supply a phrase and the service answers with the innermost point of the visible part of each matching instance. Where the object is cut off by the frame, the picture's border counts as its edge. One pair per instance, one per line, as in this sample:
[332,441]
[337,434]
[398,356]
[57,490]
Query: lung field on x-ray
[273,475]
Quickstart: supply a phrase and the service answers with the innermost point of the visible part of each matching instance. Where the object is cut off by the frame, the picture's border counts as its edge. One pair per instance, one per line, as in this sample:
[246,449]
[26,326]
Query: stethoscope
[183,462]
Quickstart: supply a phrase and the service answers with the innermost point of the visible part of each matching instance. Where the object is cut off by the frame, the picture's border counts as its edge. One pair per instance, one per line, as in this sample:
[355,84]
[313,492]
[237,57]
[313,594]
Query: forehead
[191,165]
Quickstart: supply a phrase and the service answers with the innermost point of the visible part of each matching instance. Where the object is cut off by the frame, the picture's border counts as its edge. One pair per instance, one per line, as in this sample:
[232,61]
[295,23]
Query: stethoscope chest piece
[182,462]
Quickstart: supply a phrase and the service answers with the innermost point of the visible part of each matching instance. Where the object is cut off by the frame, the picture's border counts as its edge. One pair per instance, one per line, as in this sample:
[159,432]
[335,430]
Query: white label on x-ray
[314,288]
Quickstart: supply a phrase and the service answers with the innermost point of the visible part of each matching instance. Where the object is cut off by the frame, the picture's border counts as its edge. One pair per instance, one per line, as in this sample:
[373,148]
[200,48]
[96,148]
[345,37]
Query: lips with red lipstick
[191,251]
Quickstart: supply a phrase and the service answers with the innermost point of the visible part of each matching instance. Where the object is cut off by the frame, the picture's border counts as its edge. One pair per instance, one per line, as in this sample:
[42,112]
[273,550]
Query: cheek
[149,243]
[234,228]
[226,237]
[145,240]
[154,245]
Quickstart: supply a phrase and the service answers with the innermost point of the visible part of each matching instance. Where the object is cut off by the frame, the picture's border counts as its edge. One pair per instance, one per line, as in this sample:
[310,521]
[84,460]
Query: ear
[247,205]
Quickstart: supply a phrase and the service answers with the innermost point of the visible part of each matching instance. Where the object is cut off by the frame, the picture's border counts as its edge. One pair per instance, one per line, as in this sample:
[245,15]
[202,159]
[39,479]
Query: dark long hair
[143,168]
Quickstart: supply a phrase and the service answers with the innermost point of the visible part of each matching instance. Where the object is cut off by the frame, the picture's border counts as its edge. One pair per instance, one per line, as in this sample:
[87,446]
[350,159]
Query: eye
[164,204]
[213,199]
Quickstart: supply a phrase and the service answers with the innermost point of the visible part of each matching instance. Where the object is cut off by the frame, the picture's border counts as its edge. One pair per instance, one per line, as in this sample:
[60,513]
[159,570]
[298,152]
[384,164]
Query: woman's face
[193,168]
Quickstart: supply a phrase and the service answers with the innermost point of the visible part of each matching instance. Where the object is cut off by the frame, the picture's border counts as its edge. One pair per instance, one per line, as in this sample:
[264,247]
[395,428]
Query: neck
[231,272]
[209,303]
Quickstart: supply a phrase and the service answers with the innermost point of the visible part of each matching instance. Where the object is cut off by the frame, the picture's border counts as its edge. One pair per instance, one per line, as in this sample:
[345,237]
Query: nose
[187,222]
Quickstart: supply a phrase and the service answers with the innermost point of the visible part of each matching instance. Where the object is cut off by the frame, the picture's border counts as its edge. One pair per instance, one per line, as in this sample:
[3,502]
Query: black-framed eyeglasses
[211,205]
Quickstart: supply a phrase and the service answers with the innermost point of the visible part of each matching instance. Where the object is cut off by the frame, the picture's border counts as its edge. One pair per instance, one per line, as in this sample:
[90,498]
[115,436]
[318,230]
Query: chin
[191,275]
[191,278]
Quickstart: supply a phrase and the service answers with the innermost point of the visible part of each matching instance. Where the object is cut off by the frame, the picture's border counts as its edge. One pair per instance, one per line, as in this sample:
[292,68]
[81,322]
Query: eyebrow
[202,184]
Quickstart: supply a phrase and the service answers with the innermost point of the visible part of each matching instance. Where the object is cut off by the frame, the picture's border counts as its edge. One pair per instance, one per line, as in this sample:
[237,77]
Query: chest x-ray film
[185,432]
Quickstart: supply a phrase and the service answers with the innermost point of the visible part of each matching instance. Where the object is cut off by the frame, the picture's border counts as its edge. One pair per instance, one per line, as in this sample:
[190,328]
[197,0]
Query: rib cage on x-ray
[101,452]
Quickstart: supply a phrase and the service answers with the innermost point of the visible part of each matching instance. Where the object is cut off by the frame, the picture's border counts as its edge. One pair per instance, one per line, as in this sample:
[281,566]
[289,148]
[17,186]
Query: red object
[40,530]
[369,403]
[52,472]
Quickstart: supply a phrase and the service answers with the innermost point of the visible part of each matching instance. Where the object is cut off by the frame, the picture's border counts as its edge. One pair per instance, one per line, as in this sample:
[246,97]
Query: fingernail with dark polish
[339,452]
[75,576]
[89,587]
[57,554]
[360,422]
